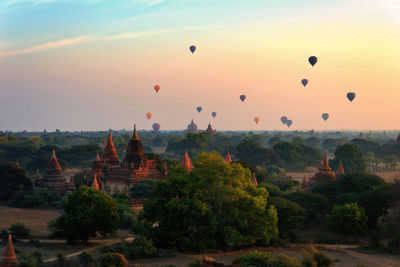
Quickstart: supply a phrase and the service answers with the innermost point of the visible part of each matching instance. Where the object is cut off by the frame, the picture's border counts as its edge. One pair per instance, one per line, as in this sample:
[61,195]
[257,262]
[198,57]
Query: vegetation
[12,179]
[348,219]
[87,212]
[215,205]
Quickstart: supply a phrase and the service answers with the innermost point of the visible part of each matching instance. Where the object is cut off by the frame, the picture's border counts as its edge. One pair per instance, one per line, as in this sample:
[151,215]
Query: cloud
[48,46]
[78,40]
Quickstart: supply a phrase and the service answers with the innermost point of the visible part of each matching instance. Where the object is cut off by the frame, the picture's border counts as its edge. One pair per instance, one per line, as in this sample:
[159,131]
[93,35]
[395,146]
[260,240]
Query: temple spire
[97,156]
[110,154]
[186,162]
[340,169]
[135,135]
[255,179]
[9,258]
[17,164]
[228,157]
[325,163]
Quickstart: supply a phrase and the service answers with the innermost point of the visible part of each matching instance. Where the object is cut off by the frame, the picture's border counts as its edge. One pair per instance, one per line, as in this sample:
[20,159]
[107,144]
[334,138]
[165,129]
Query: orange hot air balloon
[256,120]
[149,115]
[157,88]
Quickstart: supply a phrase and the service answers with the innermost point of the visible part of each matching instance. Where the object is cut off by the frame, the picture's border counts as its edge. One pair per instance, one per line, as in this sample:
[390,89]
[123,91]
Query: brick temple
[113,176]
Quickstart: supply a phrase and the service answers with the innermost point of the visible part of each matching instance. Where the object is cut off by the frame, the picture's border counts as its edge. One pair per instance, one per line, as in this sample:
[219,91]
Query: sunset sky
[92,64]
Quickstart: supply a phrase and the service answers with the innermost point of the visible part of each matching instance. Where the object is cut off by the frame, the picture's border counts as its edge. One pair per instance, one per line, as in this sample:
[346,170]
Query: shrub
[261,259]
[19,230]
[86,258]
[113,259]
[315,258]
[348,219]
[142,247]
[31,260]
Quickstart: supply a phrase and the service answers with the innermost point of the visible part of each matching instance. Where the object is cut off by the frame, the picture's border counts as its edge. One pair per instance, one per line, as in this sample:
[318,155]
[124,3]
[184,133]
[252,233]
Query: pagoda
[135,158]
[192,127]
[228,157]
[113,176]
[210,130]
[324,173]
[110,156]
[9,259]
[254,179]
[362,136]
[53,178]
[186,162]
[340,169]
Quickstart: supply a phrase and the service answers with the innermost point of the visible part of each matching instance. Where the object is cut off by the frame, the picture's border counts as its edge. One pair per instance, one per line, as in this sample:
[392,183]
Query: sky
[92,64]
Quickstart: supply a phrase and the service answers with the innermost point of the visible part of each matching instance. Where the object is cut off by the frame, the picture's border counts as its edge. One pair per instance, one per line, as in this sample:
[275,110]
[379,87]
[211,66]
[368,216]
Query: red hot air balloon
[256,120]
[157,88]
[149,115]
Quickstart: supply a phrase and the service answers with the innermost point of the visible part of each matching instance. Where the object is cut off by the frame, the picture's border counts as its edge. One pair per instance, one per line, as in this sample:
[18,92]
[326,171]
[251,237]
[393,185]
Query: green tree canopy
[12,179]
[215,205]
[348,219]
[87,212]
[351,157]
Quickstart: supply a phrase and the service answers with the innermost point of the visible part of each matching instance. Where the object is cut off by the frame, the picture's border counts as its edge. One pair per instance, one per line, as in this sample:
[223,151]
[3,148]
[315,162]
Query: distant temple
[254,179]
[340,169]
[9,259]
[112,177]
[210,130]
[362,136]
[53,178]
[192,127]
[312,133]
[323,175]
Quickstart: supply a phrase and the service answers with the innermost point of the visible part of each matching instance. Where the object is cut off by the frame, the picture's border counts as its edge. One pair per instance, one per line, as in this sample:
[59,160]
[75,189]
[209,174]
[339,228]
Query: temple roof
[17,164]
[340,169]
[9,258]
[186,162]
[210,129]
[228,157]
[324,168]
[110,155]
[53,166]
[134,152]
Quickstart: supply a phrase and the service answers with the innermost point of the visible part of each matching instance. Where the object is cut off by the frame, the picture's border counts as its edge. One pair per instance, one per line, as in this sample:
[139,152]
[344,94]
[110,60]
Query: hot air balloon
[284,119]
[156,127]
[304,82]
[149,115]
[313,60]
[157,88]
[351,96]
[192,48]
[289,123]
[325,116]
[242,97]
[199,109]
[256,120]
[214,114]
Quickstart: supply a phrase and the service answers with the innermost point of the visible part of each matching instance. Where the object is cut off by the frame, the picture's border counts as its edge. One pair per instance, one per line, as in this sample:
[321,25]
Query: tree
[215,205]
[12,179]
[348,219]
[88,211]
[314,204]
[290,216]
[370,157]
[391,162]
[142,189]
[351,157]
[86,258]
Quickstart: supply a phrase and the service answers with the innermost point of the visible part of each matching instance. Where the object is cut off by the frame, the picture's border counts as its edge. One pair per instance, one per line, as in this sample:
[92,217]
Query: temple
[53,178]
[340,169]
[112,177]
[210,130]
[323,175]
[362,136]
[192,128]
[9,259]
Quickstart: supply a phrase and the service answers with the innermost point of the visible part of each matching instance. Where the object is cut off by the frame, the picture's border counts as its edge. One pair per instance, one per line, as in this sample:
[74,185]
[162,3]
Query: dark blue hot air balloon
[284,119]
[304,82]
[214,114]
[351,96]
[325,116]
[199,109]
[289,123]
[192,48]
[242,97]
[313,60]
[156,127]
